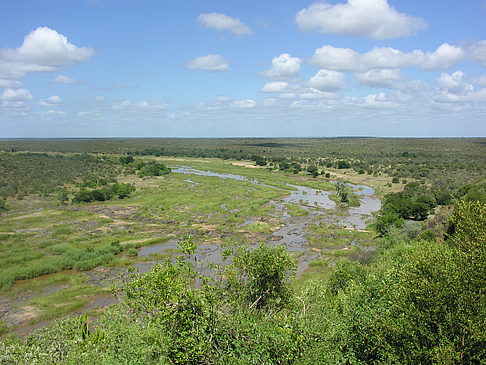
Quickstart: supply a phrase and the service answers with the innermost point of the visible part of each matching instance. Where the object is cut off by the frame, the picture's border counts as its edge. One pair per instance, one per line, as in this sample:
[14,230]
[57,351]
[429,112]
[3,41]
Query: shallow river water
[292,231]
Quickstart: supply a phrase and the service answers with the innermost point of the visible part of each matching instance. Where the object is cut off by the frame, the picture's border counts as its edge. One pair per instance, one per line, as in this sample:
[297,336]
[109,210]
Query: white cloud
[16,95]
[211,62]
[345,59]
[457,88]
[82,114]
[55,113]
[243,104]
[318,94]
[325,80]
[219,21]
[43,50]
[150,105]
[476,52]
[457,83]
[99,99]
[142,106]
[339,59]
[287,96]
[379,77]
[125,104]
[387,57]
[60,79]
[366,18]
[284,67]
[472,97]
[445,57]
[10,84]
[380,100]
[274,87]
[480,81]
[51,101]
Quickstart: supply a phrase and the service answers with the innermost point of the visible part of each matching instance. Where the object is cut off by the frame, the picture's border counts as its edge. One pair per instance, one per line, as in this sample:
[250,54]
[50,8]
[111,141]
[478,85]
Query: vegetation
[415,302]
[408,289]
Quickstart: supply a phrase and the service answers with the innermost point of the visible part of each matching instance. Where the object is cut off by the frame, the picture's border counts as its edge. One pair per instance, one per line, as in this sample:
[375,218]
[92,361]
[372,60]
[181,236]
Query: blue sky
[100,68]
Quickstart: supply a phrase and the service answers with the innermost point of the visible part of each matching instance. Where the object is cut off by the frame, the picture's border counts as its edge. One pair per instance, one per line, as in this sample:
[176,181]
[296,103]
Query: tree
[122,190]
[263,275]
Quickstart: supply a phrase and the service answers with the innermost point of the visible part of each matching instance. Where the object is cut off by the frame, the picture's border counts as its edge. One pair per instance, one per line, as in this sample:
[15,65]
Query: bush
[343,165]
[263,275]
[153,169]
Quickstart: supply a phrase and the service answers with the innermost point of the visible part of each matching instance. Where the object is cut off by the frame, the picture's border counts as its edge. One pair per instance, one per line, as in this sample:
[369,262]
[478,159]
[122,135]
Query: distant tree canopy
[105,193]
[152,169]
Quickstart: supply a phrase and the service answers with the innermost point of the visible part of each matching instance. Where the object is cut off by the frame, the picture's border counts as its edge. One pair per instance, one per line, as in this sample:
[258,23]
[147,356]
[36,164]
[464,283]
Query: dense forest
[416,298]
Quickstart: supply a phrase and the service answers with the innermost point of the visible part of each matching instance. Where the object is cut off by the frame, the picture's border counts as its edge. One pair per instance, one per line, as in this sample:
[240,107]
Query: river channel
[292,231]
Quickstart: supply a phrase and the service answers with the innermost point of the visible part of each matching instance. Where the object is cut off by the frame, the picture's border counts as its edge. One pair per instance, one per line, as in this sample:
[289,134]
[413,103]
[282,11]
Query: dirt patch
[245,164]
[23,315]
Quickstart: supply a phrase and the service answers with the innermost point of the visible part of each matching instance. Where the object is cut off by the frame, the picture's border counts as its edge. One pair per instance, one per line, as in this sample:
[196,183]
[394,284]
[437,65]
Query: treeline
[444,162]
[416,301]
[41,173]
[46,174]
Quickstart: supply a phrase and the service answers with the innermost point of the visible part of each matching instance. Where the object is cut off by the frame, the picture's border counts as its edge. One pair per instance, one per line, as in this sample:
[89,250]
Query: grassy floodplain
[59,256]
[49,244]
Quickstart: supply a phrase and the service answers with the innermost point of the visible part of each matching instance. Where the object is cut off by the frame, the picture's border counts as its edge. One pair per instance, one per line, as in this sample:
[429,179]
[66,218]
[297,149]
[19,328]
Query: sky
[273,68]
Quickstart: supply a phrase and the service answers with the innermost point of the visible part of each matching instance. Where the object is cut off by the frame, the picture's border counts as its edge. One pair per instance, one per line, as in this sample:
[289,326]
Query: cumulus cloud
[243,104]
[16,95]
[312,93]
[344,59]
[476,52]
[472,97]
[125,104]
[334,58]
[274,87]
[220,22]
[43,50]
[445,57]
[55,113]
[380,100]
[211,62]
[60,79]
[366,18]
[379,77]
[481,81]
[457,88]
[10,84]
[144,105]
[51,101]
[284,67]
[151,105]
[457,83]
[325,80]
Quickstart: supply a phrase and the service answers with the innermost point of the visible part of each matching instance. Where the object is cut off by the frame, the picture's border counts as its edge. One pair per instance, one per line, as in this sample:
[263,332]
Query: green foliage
[343,164]
[29,173]
[184,315]
[153,169]
[388,219]
[263,275]
[3,206]
[125,160]
[105,193]
[122,190]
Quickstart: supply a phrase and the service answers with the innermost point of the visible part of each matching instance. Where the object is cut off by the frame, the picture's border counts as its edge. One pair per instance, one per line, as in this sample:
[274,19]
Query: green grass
[65,301]
[296,210]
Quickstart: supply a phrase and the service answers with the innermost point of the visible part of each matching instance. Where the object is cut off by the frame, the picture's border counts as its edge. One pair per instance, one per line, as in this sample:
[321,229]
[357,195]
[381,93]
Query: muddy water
[292,231]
